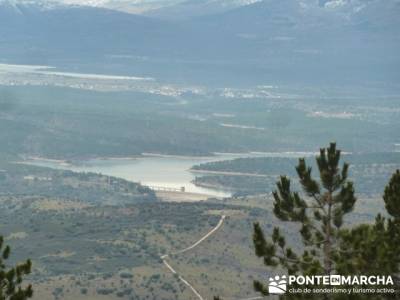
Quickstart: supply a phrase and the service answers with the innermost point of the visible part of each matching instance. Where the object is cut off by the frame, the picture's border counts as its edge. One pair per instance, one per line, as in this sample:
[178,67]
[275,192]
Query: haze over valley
[140,140]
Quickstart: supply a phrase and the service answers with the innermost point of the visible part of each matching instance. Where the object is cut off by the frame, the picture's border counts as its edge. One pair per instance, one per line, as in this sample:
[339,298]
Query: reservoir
[154,170]
[149,170]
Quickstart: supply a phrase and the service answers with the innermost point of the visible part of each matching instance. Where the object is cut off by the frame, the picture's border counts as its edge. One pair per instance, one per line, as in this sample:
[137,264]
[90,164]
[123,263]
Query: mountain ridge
[281,39]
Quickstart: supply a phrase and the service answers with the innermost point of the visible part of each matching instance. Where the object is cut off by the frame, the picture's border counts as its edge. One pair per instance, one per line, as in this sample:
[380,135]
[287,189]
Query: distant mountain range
[297,39]
[195,8]
[143,6]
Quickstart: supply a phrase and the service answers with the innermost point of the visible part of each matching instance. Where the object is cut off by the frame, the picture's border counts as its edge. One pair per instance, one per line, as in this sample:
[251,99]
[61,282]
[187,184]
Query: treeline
[370,171]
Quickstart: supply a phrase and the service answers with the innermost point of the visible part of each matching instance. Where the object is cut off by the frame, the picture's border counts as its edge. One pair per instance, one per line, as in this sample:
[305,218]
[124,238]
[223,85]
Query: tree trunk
[328,237]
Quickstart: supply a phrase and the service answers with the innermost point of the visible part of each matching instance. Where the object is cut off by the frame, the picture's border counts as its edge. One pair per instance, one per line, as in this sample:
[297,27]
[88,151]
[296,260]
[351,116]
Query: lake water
[163,171]
[153,170]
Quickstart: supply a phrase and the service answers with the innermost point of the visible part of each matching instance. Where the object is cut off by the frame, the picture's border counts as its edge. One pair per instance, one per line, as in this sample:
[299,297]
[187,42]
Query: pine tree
[320,215]
[11,278]
[375,249]
[365,249]
[391,196]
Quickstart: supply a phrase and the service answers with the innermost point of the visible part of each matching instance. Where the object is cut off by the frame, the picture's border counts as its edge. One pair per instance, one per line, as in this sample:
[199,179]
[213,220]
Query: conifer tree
[365,249]
[319,210]
[11,278]
[375,249]
[391,196]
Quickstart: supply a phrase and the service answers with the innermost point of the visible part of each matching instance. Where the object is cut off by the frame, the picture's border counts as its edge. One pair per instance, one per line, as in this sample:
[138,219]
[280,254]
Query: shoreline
[202,171]
[211,156]
[149,154]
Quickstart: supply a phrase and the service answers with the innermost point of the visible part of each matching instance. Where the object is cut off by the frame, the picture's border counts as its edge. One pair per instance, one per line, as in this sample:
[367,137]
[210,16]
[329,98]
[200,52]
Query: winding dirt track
[173,271]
